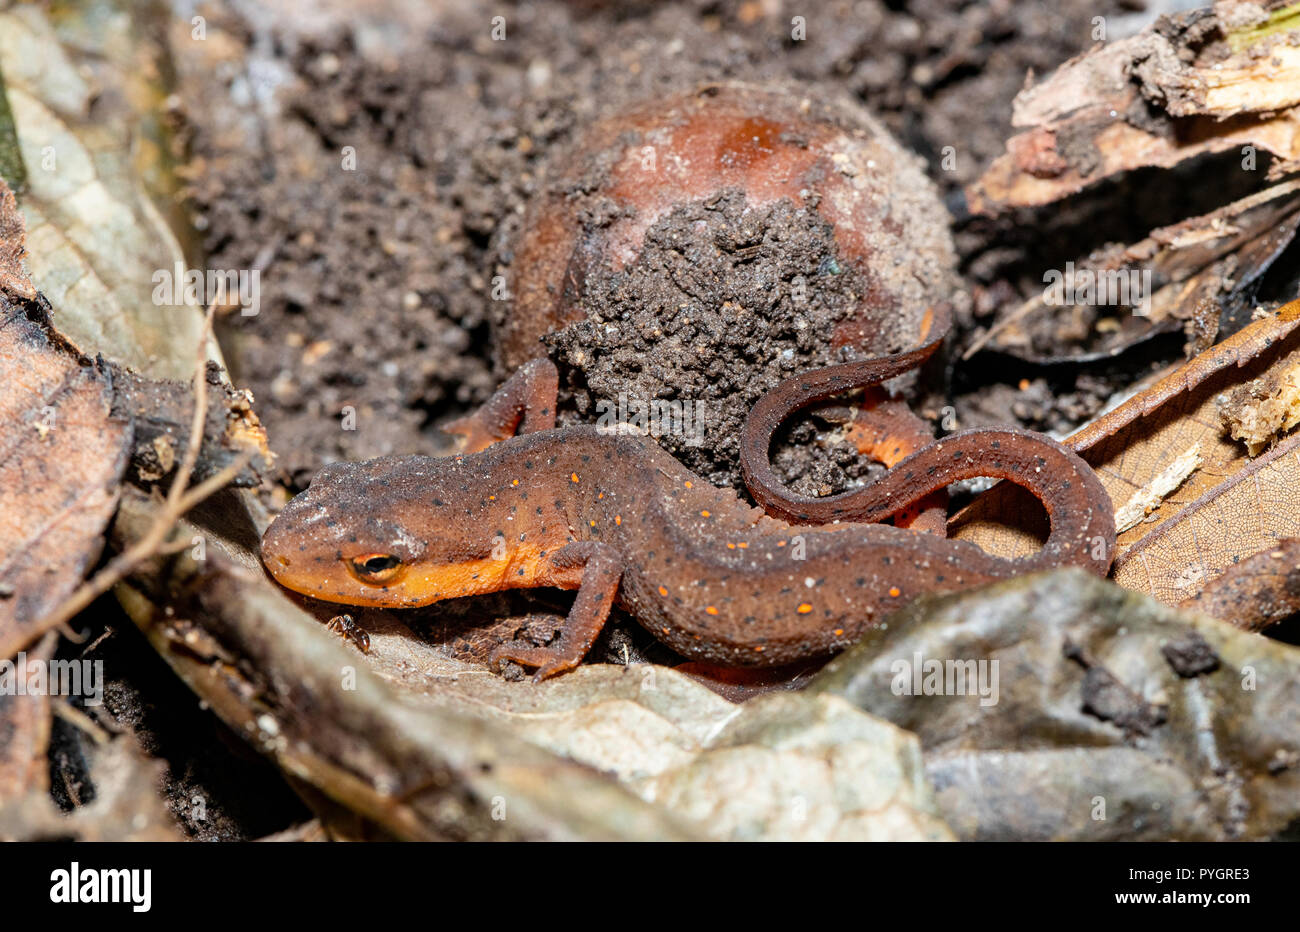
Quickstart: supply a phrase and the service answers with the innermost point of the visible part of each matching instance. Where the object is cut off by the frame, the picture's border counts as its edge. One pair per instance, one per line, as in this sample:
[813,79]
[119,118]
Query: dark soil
[377,281]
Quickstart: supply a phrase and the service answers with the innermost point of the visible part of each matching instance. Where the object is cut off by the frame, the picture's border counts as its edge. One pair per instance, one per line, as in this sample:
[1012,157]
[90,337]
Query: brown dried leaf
[1255,593]
[1228,509]
[13,248]
[62,455]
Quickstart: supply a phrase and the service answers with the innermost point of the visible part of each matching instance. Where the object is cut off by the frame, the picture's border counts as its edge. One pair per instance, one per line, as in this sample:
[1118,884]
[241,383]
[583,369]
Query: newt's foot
[471,434]
[548,660]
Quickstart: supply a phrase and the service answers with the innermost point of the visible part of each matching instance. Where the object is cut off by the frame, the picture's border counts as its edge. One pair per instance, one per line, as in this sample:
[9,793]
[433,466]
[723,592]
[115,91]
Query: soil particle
[1106,697]
[1191,656]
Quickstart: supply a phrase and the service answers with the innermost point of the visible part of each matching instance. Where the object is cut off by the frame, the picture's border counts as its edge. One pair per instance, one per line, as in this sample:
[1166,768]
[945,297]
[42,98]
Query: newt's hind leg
[524,403]
[887,430]
[601,572]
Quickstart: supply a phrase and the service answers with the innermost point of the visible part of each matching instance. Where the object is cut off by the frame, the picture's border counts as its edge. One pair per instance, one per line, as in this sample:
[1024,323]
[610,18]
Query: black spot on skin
[528,464]
[438,503]
[861,581]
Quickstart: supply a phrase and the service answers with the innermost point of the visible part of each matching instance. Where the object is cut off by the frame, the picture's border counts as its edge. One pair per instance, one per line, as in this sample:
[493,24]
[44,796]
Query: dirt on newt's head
[384,533]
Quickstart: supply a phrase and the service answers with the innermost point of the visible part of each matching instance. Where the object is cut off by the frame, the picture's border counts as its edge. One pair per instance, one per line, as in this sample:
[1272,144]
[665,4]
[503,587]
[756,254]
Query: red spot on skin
[804,608]
[663,591]
[574,477]
[712,610]
[895,592]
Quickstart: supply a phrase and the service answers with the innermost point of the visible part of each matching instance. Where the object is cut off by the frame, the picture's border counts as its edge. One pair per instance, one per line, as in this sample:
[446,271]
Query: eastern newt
[617,518]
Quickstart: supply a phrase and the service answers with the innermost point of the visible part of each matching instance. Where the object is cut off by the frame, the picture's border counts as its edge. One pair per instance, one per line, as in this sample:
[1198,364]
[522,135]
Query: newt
[618,519]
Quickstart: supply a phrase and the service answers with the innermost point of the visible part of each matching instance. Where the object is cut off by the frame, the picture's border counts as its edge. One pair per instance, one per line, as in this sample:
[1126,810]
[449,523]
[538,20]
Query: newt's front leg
[602,568]
[524,403]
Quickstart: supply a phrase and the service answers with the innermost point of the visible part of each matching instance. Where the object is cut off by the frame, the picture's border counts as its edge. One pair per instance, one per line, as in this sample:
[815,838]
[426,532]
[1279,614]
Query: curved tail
[1078,507]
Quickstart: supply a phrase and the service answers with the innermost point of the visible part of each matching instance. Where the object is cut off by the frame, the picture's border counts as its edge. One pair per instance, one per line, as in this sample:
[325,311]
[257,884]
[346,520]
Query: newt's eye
[375,568]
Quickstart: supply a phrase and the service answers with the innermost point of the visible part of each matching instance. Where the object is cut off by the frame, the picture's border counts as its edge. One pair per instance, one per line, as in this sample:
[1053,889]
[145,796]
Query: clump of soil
[723,302]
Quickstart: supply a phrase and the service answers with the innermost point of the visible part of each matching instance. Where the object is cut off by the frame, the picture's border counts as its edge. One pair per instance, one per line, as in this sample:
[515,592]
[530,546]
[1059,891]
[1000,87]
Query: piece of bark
[1194,265]
[1181,88]
[162,410]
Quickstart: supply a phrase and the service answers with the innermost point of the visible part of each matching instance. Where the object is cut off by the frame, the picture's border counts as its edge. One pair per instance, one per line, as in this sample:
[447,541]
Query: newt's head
[390,532]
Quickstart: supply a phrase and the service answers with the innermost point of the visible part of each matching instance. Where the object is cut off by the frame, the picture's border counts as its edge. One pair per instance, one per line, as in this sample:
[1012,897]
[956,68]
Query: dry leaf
[13,251]
[126,807]
[1254,593]
[61,460]
[1228,509]
[1111,716]
[95,239]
